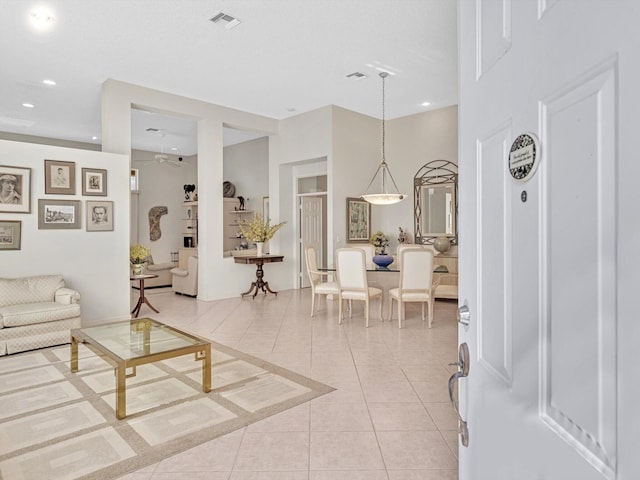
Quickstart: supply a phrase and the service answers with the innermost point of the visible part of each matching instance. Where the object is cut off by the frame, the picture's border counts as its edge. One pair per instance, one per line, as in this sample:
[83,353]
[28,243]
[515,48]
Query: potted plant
[259,231]
[380,241]
[138,255]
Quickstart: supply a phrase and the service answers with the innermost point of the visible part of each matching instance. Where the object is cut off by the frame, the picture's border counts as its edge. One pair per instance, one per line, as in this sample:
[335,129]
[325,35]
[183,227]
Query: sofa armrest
[67,296]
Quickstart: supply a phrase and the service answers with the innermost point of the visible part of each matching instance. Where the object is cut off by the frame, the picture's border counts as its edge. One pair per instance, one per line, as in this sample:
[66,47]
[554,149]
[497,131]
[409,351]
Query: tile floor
[389,419]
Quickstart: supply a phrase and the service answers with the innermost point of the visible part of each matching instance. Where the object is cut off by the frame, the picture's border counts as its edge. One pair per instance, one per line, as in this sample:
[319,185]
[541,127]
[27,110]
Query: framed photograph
[265,208]
[59,177]
[358,220]
[10,234]
[54,214]
[99,216]
[94,182]
[15,189]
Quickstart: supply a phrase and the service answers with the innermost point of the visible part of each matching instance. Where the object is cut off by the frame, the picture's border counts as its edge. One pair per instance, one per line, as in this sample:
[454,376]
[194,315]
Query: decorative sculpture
[188,189]
[241,200]
[155,213]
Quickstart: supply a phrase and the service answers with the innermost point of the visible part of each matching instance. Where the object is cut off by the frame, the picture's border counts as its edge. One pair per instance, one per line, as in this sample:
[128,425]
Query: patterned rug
[57,425]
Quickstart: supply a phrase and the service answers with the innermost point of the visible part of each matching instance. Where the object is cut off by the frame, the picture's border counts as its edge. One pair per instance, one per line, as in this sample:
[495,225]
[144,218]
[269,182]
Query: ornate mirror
[435,189]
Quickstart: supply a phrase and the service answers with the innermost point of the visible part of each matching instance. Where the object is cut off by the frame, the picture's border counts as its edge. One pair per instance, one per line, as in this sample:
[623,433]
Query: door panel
[549,267]
[311,232]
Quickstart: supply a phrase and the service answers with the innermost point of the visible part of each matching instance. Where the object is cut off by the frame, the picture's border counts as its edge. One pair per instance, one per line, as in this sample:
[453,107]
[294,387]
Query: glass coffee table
[130,343]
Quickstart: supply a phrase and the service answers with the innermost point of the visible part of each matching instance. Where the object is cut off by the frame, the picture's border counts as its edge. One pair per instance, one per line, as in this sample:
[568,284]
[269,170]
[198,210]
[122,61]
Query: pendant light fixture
[382,178]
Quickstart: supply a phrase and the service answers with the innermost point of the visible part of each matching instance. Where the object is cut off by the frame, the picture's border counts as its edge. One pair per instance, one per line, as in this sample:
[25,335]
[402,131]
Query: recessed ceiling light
[425,104]
[174,148]
[94,138]
[49,82]
[28,105]
[41,18]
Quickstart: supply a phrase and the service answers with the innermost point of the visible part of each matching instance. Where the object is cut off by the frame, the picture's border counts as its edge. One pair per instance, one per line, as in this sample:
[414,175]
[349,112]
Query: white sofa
[163,270]
[36,312]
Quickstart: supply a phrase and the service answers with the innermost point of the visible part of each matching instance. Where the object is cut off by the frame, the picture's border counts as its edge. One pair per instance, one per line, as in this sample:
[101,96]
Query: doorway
[312,222]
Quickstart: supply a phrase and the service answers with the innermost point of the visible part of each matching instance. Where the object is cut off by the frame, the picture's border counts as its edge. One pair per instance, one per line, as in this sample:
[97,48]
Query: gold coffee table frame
[130,343]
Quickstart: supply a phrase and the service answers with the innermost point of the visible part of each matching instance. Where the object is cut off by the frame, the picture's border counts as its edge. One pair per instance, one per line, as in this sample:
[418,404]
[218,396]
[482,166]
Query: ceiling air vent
[152,130]
[356,75]
[225,19]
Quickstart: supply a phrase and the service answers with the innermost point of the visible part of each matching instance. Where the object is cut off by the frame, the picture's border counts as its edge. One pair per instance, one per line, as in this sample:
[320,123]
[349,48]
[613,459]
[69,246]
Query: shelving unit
[190,224]
[231,231]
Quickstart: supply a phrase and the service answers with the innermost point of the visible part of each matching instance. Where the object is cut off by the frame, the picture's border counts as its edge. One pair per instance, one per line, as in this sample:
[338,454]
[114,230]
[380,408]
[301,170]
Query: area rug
[57,425]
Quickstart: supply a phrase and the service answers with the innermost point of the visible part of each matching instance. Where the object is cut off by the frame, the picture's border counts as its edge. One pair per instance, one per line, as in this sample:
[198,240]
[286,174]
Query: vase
[442,244]
[136,269]
[259,247]
[383,260]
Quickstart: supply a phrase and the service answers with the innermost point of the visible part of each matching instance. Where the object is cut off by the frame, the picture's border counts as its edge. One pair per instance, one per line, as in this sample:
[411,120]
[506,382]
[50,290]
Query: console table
[259,284]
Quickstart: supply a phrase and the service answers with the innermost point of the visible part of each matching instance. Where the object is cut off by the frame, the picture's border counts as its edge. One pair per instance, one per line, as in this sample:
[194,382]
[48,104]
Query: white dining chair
[368,249]
[318,287]
[352,281]
[416,282]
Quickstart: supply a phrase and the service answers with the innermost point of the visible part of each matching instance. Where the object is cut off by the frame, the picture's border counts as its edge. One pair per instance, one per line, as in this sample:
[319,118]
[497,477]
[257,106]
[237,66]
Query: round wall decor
[228,189]
[524,156]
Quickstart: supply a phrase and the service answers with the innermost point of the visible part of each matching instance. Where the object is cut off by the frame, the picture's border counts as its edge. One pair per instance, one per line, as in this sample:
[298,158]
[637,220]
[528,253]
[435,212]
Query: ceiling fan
[162,157]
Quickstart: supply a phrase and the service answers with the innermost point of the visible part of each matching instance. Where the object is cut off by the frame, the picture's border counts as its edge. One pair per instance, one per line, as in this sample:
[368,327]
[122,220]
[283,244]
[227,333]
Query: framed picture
[99,216]
[10,234]
[265,208]
[15,189]
[56,214]
[358,220]
[59,177]
[94,182]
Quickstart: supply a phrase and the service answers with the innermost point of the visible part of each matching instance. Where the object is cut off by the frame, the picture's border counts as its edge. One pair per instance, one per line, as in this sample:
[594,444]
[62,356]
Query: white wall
[94,263]
[162,184]
[411,142]
[218,277]
[246,165]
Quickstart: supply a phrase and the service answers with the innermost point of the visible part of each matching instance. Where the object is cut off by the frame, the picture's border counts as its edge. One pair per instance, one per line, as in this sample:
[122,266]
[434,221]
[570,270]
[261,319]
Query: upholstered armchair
[186,281]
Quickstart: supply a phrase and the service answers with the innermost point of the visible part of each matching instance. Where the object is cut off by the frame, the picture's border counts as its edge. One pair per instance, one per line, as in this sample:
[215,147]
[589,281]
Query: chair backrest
[416,268]
[368,249]
[312,264]
[351,270]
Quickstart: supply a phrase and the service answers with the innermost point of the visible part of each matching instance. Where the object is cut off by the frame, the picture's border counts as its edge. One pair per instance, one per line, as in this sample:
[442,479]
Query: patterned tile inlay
[170,423]
[58,425]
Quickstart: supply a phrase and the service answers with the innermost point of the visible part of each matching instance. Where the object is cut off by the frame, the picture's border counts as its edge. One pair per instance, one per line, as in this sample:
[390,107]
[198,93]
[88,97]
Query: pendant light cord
[383,169]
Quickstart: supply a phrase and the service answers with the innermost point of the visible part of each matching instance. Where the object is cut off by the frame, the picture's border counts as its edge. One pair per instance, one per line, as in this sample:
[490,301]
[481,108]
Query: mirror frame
[434,173]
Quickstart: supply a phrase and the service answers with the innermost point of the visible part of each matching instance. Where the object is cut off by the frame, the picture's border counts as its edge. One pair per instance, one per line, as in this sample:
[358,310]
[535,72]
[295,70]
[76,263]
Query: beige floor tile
[345,451]
[340,417]
[348,475]
[400,417]
[269,475]
[273,451]
[388,379]
[295,419]
[423,475]
[381,392]
[415,450]
[443,415]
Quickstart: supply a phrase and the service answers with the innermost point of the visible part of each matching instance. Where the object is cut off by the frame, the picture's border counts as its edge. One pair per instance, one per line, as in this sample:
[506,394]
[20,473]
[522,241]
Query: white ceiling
[285,58]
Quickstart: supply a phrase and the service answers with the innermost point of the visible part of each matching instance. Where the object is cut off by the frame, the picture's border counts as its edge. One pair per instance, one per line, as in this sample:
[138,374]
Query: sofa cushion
[39,312]
[40,288]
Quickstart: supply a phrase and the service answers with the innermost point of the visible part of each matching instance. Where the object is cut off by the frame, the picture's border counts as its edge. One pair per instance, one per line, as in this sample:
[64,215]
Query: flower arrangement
[258,229]
[380,241]
[138,254]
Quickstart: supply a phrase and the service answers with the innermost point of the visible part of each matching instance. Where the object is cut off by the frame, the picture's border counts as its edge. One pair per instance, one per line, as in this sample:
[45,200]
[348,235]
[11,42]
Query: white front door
[550,266]
[311,233]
